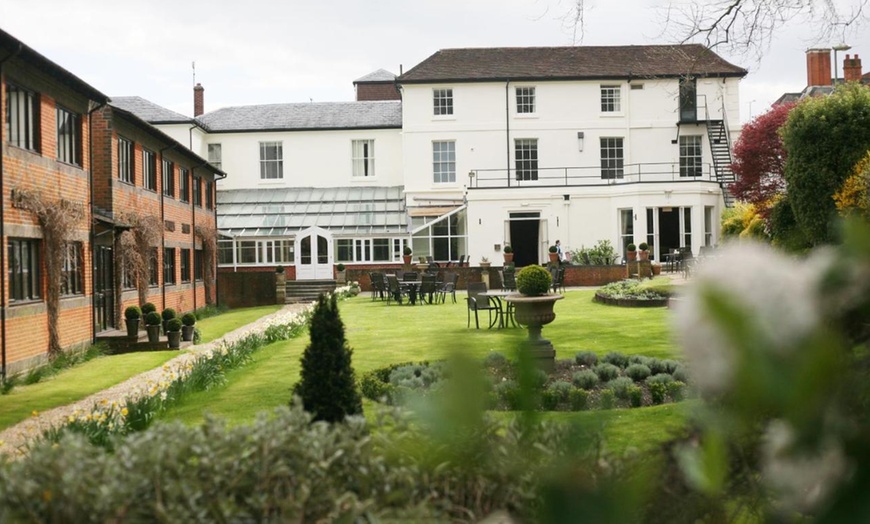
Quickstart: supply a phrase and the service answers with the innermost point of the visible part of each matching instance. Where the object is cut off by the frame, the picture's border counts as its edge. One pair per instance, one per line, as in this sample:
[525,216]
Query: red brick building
[75,167]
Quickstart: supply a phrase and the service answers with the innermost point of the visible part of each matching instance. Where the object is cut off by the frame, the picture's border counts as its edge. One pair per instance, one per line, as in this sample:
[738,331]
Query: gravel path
[13,440]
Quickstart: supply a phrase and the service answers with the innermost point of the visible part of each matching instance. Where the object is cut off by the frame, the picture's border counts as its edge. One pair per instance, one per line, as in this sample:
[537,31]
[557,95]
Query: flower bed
[576,384]
[630,293]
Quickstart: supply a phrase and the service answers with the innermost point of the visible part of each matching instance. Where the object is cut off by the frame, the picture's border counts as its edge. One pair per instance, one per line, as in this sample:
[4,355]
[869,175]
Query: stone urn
[534,312]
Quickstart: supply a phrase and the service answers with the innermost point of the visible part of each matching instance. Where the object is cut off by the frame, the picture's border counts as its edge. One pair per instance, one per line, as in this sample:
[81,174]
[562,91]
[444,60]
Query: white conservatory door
[314,255]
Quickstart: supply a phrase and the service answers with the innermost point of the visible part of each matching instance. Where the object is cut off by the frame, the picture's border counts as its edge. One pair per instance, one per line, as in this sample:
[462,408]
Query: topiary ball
[173,325]
[153,318]
[132,312]
[148,307]
[188,319]
[168,314]
[534,281]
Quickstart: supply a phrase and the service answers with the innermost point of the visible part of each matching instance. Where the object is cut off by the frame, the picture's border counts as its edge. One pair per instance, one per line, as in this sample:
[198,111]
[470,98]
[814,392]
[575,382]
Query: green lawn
[382,334]
[215,327]
[76,383]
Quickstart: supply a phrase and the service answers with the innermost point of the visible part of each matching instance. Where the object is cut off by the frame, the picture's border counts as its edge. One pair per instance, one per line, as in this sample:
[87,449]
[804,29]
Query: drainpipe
[3,234]
[507,129]
[92,234]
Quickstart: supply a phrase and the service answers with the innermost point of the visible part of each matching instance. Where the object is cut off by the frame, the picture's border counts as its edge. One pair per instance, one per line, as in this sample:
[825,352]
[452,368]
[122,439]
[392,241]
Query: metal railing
[653,172]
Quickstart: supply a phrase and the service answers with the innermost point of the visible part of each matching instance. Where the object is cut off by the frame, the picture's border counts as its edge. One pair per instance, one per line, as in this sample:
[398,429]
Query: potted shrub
[339,273]
[508,254]
[188,321]
[533,308]
[148,307]
[644,251]
[406,255]
[168,314]
[279,269]
[173,332]
[631,252]
[133,315]
[554,255]
[152,326]
[484,263]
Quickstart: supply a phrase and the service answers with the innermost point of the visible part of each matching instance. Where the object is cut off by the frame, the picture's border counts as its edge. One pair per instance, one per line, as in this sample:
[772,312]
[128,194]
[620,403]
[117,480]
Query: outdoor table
[504,315]
[412,286]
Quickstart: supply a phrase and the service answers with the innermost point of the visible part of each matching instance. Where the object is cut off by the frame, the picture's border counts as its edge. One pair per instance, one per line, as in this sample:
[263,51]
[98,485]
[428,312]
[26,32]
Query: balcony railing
[654,172]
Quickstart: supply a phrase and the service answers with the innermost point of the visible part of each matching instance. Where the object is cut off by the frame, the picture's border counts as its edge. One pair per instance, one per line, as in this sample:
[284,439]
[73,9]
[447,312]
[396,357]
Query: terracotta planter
[643,255]
[534,313]
[132,328]
[187,333]
[174,338]
[656,269]
[631,255]
[554,258]
[508,258]
[153,333]
[406,259]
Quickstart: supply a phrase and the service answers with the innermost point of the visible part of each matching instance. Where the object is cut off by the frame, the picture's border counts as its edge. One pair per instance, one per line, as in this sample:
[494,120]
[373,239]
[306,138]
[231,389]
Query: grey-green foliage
[281,468]
[616,358]
[606,371]
[585,379]
[416,376]
[602,254]
[606,399]
[586,358]
[630,289]
[637,372]
[660,378]
[561,389]
[824,137]
[635,396]
[620,386]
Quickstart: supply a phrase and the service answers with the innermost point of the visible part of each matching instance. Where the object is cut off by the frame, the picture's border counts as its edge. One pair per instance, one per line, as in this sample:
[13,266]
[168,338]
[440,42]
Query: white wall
[311,158]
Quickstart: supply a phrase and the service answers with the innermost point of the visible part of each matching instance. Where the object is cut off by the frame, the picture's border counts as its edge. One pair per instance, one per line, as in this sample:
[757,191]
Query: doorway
[669,229]
[524,234]
[104,289]
[315,255]
[688,100]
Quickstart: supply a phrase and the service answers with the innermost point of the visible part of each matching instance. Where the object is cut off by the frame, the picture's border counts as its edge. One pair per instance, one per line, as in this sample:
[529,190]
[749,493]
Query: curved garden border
[630,302]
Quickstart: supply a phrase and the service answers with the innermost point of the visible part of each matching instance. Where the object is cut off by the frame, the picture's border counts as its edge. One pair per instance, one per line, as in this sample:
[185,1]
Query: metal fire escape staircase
[720,150]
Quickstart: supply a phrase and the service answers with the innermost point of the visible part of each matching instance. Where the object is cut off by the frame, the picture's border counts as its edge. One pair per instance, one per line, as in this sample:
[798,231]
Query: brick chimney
[198,99]
[818,67]
[852,69]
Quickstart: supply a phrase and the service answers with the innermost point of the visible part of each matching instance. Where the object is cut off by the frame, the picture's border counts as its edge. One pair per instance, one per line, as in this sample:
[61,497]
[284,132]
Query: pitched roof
[13,47]
[305,116]
[569,63]
[149,111]
[381,75]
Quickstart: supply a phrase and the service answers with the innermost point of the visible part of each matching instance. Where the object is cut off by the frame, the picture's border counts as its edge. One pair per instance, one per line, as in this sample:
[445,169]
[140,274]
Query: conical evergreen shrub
[328,388]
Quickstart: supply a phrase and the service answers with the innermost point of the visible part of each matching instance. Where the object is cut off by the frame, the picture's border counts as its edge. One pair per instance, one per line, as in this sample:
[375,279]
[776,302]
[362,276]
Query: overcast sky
[261,51]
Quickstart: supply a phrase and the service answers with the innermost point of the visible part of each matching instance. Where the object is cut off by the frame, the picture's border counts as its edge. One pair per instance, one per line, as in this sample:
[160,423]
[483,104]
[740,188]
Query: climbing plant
[208,235]
[58,220]
[135,246]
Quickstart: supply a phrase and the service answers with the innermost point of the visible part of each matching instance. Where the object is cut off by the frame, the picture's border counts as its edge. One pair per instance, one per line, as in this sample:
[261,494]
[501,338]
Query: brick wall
[379,91]
[246,288]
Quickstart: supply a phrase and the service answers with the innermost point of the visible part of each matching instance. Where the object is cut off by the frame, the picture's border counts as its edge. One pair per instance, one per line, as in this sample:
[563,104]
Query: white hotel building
[474,149]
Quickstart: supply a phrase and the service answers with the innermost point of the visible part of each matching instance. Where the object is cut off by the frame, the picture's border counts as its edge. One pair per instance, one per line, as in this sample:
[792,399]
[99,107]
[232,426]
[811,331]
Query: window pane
[363,158]
[611,158]
[443,101]
[690,155]
[68,129]
[125,160]
[247,252]
[444,162]
[271,160]
[525,100]
[526,155]
[215,155]
[610,99]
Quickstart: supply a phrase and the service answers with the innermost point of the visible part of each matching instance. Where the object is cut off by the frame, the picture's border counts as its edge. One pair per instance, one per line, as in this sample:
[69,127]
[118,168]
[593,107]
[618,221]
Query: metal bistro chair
[379,287]
[427,289]
[478,303]
[394,289]
[687,261]
[509,281]
[558,274]
[410,276]
[448,286]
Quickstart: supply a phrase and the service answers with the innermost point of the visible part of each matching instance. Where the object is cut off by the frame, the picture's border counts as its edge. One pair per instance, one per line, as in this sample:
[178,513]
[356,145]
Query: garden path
[13,440]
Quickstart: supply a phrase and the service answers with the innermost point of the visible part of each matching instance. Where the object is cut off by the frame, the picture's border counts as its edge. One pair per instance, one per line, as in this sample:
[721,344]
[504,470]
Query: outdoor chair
[379,287]
[687,261]
[558,274]
[448,286]
[428,288]
[478,303]
[461,262]
[394,289]
[431,261]
[509,280]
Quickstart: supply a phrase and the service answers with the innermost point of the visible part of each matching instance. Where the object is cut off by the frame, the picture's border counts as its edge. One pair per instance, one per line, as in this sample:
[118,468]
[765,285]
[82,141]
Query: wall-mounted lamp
[580,141]
[566,197]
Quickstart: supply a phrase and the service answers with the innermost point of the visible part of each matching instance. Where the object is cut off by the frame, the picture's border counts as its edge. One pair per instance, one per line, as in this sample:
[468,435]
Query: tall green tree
[824,138]
[328,387]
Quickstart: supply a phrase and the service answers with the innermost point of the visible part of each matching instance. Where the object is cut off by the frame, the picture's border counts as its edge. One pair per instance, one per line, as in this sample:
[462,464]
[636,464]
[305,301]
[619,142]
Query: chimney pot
[852,69]
[198,99]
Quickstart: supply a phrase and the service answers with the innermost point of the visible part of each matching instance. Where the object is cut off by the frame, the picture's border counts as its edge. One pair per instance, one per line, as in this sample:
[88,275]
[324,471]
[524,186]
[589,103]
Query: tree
[328,388]
[824,139]
[853,198]
[759,159]
[748,26]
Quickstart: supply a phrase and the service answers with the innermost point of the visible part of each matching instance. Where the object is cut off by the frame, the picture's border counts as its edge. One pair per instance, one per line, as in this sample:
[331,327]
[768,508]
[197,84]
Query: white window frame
[708,225]
[215,155]
[611,98]
[526,158]
[691,155]
[271,168]
[444,168]
[442,101]
[363,158]
[626,229]
[612,149]
[525,99]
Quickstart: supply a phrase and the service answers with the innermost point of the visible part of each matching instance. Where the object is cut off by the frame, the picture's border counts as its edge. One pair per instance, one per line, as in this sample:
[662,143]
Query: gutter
[3,303]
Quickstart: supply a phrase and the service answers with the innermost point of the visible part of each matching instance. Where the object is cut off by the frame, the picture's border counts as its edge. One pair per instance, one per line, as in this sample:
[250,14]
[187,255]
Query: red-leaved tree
[759,159]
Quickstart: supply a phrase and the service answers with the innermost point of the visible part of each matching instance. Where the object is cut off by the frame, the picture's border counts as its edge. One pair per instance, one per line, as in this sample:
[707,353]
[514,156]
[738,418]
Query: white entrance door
[314,254]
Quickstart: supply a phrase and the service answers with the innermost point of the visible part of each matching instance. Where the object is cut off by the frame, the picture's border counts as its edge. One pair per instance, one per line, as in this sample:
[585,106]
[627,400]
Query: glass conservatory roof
[284,211]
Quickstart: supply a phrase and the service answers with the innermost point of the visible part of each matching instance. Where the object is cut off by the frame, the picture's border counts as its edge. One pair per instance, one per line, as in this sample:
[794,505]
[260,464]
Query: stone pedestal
[280,288]
[534,313]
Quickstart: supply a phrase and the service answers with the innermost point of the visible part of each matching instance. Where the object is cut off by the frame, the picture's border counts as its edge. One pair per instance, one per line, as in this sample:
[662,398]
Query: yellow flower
[71,419]
[34,413]
[124,412]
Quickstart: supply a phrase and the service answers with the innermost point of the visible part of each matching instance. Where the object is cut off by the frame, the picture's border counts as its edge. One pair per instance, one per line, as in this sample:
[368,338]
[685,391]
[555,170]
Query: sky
[270,51]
